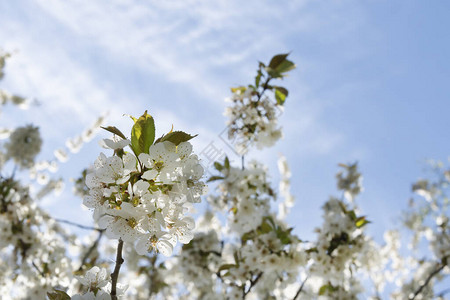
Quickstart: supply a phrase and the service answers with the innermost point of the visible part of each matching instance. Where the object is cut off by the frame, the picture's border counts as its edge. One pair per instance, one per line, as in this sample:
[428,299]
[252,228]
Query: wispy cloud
[81,58]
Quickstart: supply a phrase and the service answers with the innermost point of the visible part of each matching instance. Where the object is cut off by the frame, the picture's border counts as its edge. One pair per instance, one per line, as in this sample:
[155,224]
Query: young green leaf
[226,267]
[114,130]
[213,178]
[327,288]
[361,221]
[227,163]
[218,166]
[58,295]
[277,60]
[280,94]
[177,137]
[285,66]
[241,89]
[143,134]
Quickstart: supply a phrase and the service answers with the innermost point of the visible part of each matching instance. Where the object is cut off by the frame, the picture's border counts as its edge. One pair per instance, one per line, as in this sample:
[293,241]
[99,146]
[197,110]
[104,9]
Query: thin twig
[77,225]
[252,284]
[115,274]
[91,249]
[432,274]
[300,289]
[39,271]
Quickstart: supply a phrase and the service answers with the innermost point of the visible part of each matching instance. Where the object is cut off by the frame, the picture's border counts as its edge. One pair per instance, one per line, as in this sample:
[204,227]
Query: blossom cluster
[5,96]
[253,116]
[252,119]
[240,248]
[245,192]
[23,145]
[32,246]
[98,285]
[144,198]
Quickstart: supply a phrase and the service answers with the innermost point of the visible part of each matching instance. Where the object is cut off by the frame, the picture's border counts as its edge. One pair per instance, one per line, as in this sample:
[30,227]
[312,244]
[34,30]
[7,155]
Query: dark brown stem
[37,269]
[91,249]
[252,284]
[115,274]
[440,267]
[300,289]
[77,225]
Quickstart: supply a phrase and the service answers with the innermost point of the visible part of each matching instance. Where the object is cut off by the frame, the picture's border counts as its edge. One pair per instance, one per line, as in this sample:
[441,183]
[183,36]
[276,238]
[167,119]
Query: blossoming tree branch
[145,243]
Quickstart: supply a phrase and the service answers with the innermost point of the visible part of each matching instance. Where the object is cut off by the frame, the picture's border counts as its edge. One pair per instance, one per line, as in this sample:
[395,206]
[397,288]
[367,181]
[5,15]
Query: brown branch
[300,289]
[37,269]
[91,249]
[427,281]
[77,225]
[115,274]
[252,284]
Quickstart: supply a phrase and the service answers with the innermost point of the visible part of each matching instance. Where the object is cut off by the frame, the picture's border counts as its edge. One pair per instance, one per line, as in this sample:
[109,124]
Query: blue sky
[371,83]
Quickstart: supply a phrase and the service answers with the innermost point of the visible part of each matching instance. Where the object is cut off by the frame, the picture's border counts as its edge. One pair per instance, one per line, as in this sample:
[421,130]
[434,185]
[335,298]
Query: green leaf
[277,60]
[265,227]
[352,215]
[114,130]
[213,178]
[58,295]
[241,89]
[248,236]
[323,289]
[177,137]
[236,258]
[280,95]
[226,163]
[273,73]
[270,219]
[283,236]
[226,267]
[218,166]
[258,78]
[143,134]
[327,288]
[285,66]
[361,221]
[312,250]
[131,117]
